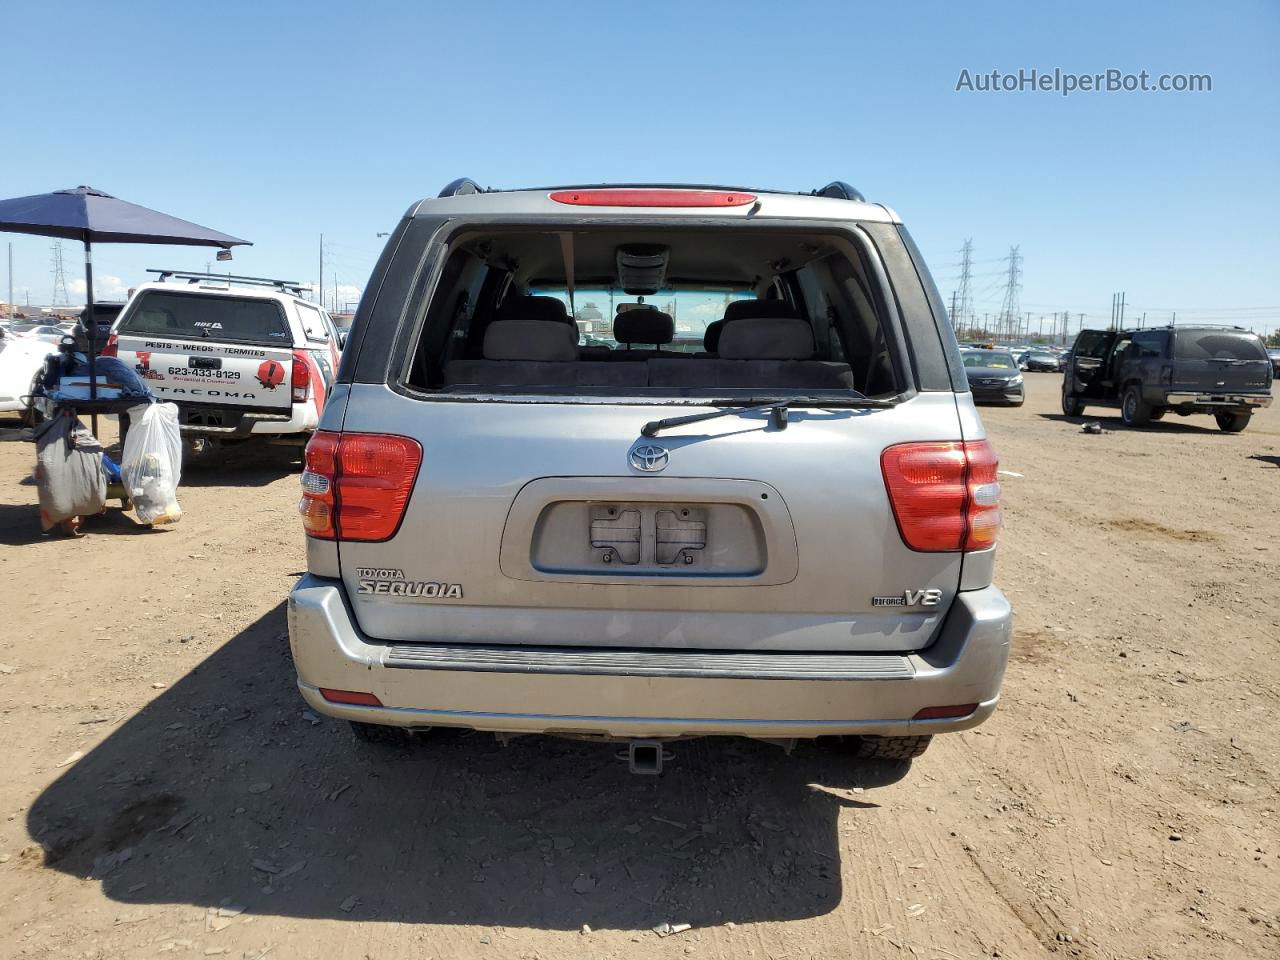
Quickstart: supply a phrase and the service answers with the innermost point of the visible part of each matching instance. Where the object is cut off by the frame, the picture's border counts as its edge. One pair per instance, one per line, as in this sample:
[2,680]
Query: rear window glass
[239,319]
[1217,345]
[989,359]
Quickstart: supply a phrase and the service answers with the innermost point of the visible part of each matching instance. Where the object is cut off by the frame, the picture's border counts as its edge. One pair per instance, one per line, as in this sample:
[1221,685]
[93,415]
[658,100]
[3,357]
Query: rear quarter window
[1217,345]
[160,313]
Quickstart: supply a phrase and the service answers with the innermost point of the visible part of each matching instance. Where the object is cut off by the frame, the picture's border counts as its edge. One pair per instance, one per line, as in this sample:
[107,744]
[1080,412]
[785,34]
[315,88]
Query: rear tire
[1157,413]
[892,748]
[1072,405]
[1232,422]
[1134,411]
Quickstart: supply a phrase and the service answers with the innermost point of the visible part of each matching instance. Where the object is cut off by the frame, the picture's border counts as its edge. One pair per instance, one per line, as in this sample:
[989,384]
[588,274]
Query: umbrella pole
[91,326]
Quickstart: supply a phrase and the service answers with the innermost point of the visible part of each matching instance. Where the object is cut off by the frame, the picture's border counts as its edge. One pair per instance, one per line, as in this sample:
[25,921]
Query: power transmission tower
[60,296]
[1010,308]
[962,299]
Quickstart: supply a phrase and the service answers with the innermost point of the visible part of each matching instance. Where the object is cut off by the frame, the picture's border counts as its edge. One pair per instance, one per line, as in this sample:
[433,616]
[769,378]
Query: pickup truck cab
[1223,371]
[240,356]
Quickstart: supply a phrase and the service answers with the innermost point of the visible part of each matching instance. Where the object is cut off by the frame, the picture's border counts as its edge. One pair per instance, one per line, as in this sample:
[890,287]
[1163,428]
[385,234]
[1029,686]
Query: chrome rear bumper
[649,693]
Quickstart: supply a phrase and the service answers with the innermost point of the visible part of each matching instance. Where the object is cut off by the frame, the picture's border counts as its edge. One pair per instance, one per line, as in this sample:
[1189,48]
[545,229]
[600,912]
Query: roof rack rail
[839,190]
[291,286]
[461,187]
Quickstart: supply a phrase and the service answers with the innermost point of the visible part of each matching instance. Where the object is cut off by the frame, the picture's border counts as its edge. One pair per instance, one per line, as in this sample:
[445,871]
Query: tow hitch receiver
[646,756]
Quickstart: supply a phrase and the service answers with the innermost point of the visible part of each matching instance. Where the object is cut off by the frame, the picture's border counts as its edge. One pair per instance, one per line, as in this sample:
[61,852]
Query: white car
[240,356]
[20,359]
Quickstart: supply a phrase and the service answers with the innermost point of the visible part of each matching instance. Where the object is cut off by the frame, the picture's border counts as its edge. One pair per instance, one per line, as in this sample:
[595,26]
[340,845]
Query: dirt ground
[166,792]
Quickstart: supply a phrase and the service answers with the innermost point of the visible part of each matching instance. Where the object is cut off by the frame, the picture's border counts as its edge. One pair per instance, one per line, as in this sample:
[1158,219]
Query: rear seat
[760,352]
[538,353]
[763,352]
[644,326]
[743,310]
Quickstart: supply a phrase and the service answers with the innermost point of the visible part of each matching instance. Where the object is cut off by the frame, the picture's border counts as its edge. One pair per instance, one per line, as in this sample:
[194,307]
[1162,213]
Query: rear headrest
[644,326]
[519,307]
[767,338]
[530,340]
[743,310]
[746,309]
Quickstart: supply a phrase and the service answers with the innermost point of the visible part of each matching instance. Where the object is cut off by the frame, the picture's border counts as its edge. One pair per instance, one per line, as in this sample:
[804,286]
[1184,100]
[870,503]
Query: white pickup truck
[240,356]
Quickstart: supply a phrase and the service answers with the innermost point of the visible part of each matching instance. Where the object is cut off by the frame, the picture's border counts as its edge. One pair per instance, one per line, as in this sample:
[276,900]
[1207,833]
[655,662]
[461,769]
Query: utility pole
[1121,327]
[10,301]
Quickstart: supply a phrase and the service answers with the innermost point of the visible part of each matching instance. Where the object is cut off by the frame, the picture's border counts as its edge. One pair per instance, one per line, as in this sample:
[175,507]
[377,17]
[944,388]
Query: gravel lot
[167,792]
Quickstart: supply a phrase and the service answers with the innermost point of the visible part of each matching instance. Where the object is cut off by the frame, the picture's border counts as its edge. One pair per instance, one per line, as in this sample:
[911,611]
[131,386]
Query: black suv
[1217,370]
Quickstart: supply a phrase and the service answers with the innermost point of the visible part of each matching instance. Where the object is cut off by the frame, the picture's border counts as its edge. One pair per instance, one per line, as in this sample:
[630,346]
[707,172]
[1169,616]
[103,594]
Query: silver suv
[648,462]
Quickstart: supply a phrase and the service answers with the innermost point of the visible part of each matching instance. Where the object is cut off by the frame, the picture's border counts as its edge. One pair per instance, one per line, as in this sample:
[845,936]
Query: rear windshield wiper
[778,409]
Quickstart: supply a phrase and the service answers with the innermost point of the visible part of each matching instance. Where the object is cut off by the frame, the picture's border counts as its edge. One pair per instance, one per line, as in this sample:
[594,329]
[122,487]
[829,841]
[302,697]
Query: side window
[312,323]
[1149,345]
[1092,344]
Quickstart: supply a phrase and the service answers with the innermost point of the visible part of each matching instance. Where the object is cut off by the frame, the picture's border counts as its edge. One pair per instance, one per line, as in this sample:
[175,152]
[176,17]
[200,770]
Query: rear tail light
[653,198]
[112,347]
[356,486]
[301,379]
[944,494]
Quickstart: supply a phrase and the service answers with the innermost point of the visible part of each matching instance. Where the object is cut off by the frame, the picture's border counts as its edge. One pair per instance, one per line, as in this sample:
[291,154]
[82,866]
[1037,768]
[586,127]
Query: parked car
[1187,370]
[994,377]
[46,332]
[1274,355]
[788,536]
[241,356]
[21,358]
[1039,361]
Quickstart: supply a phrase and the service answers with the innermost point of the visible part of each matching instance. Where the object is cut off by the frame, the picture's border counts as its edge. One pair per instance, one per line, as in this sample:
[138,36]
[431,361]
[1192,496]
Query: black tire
[1157,413]
[1072,405]
[892,748]
[1134,411]
[1232,422]
[379,735]
[31,417]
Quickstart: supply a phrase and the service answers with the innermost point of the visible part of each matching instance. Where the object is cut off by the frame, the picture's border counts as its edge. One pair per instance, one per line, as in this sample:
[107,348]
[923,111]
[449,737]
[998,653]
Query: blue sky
[278,122]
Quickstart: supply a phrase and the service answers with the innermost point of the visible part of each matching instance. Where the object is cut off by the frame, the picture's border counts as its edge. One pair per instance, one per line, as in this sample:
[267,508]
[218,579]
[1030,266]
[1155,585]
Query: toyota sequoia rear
[651,463]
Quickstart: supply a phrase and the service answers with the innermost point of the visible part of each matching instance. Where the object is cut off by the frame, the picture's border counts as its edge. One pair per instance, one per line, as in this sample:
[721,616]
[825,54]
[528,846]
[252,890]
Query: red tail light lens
[653,198]
[112,347]
[355,697]
[356,486]
[945,495]
[301,379]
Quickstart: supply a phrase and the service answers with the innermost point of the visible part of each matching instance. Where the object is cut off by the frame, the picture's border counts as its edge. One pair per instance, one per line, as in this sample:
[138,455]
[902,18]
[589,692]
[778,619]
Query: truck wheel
[1157,413]
[892,748]
[1232,422]
[1134,411]
[1072,405]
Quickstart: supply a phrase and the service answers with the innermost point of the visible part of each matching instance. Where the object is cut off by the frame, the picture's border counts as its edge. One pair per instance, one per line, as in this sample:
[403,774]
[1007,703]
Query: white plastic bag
[69,477]
[151,464]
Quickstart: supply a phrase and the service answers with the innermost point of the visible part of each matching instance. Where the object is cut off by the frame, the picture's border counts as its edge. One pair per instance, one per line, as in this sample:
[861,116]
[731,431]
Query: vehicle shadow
[1265,458]
[226,792]
[243,465]
[1113,422]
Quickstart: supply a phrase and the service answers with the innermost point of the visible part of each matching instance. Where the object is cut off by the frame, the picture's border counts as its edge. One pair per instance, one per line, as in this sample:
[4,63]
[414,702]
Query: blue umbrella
[89,215]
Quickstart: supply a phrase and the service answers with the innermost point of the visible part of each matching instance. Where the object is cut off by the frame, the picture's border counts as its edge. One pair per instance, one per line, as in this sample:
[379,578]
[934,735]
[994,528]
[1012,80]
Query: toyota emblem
[650,458]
